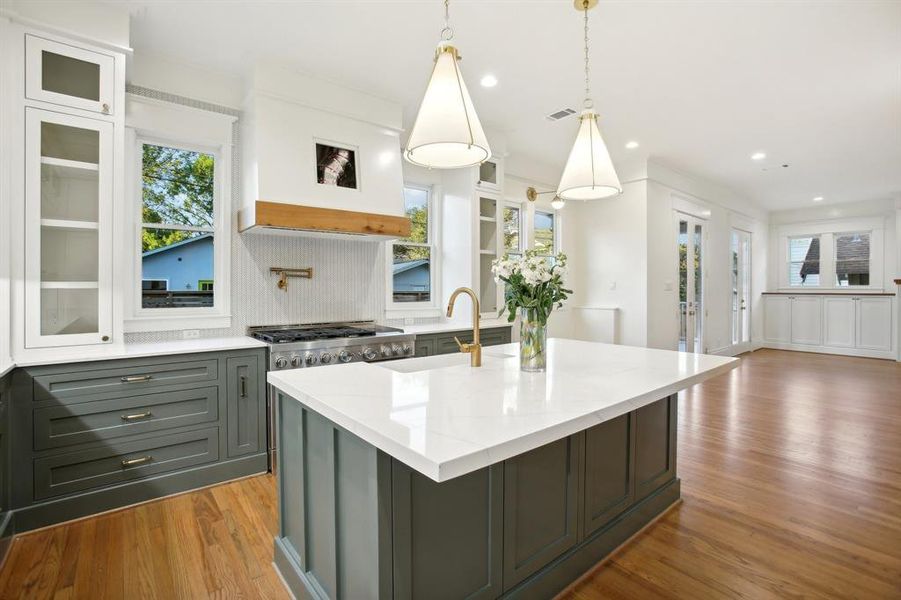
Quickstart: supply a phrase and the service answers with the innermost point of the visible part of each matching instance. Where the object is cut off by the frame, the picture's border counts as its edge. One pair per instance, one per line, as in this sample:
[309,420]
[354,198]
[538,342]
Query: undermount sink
[428,363]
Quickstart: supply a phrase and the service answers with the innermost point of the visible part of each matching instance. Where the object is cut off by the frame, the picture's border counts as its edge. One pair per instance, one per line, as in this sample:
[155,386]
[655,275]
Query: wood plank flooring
[791,481]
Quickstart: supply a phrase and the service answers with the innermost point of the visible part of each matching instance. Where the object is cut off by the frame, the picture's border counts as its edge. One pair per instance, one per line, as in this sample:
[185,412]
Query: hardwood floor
[791,481]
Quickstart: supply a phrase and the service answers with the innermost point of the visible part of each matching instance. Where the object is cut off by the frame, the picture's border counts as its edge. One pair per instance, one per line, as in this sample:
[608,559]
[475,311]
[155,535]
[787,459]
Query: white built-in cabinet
[69,169]
[490,247]
[838,324]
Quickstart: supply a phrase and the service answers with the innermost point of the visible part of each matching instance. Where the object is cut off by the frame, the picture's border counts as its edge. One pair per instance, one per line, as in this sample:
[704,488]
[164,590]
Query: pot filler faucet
[475,348]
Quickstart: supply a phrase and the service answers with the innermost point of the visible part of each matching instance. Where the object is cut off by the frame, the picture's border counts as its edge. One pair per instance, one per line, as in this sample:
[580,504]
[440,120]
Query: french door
[741,290]
[690,234]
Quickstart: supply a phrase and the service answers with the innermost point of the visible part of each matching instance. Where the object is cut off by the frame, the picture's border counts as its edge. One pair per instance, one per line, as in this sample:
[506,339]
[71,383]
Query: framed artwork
[336,165]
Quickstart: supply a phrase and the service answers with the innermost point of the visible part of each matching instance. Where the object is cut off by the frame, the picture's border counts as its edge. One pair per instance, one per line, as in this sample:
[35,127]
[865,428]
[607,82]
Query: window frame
[788,242]
[835,280]
[555,230]
[431,307]
[828,232]
[195,130]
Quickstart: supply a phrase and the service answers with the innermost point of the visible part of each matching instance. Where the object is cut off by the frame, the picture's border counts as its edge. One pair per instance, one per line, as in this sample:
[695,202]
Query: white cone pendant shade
[589,172]
[447,133]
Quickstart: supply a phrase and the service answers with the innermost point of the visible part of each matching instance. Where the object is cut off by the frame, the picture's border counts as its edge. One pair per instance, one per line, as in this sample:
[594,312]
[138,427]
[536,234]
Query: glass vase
[532,342]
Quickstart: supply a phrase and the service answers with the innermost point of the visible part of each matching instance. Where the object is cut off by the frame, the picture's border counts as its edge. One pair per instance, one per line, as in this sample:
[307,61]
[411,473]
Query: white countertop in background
[52,356]
[444,418]
[425,328]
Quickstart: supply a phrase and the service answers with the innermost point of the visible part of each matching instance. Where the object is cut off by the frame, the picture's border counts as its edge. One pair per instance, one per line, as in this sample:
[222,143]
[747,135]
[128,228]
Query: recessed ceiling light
[818,199]
[758,156]
[488,81]
[632,145]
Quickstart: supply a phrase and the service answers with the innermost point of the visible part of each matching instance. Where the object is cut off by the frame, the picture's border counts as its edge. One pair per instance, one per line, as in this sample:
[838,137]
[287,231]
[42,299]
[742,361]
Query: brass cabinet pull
[105,109]
[136,378]
[243,380]
[137,416]
[131,462]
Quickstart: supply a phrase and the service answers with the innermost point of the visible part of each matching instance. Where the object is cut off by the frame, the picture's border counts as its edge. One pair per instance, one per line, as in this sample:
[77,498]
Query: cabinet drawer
[123,461]
[57,426]
[122,381]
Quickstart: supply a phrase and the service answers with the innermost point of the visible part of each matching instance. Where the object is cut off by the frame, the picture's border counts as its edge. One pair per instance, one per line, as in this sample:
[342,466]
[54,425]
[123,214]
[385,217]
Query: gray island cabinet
[426,478]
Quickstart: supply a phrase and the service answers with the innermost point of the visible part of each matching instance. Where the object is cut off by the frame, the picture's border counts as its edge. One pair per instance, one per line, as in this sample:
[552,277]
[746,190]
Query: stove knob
[386,351]
[408,349]
[281,362]
[369,353]
[310,359]
[396,349]
[345,356]
[325,358]
[296,361]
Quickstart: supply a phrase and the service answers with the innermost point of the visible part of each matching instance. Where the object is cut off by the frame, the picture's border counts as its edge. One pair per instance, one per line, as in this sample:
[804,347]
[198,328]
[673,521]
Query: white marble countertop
[444,418]
[426,328]
[6,367]
[53,356]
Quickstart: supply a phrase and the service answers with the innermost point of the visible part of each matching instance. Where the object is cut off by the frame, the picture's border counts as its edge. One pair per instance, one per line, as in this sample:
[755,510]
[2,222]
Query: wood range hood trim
[278,217]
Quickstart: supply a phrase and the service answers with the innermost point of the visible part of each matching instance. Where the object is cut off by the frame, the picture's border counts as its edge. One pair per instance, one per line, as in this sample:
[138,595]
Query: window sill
[413,313]
[179,323]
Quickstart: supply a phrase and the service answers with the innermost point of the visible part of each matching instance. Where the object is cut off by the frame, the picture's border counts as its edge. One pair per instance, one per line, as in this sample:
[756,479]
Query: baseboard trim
[832,351]
[90,504]
[6,536]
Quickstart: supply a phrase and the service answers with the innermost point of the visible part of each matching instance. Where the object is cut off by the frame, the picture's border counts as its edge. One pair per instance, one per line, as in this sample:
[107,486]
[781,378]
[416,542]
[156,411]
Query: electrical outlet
[190,334]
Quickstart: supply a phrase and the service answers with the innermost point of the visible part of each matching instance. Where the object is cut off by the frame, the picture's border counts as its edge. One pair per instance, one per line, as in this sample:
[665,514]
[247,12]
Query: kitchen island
[427,478]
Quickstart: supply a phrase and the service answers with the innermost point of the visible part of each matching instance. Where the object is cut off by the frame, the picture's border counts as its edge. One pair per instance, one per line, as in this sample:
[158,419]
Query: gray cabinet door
[425,345]
[655,446]
[540,506]
[447,536]
[445,343]
[245,410]
[609,461]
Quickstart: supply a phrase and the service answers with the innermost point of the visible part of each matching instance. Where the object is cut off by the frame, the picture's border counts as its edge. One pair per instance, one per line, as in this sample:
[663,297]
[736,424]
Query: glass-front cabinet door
[68,76]
[68,225]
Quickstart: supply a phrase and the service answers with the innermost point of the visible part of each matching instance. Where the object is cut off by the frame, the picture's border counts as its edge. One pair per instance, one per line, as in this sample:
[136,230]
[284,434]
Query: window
[545,233]
[852,259]
[178,227]
[512,230]
[412,269]
[804,261]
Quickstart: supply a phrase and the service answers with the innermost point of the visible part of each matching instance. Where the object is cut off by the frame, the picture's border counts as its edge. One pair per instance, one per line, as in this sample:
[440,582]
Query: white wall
[99,22]
[607,244]
[833,217]
[158,73]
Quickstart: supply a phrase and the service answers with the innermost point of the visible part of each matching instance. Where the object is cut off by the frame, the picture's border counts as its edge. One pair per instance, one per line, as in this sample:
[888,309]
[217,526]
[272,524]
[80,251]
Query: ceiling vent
[560,114]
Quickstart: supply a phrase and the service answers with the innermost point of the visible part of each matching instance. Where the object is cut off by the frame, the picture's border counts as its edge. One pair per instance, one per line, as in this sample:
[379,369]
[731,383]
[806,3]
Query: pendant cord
[448,32]
[588,102]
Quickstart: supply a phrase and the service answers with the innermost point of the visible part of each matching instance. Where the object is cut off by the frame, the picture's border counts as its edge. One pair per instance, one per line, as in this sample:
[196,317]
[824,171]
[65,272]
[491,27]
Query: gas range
[302,346]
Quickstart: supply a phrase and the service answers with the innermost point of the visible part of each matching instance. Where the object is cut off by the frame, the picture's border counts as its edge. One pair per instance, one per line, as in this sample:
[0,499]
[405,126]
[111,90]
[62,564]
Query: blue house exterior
[411,280]
[184,266]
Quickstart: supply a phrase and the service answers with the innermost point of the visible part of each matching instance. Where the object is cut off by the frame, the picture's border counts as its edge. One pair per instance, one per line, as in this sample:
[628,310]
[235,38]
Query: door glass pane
[70,143]
[746,288]
[683,284]
[69,194]
[69,311]
[736,302]
[699,290]
[70,76]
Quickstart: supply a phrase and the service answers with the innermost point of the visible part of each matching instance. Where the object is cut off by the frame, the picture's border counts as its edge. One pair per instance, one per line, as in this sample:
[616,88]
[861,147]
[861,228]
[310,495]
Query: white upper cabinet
[874,323]
[68,229]
[69,76]
[491,174]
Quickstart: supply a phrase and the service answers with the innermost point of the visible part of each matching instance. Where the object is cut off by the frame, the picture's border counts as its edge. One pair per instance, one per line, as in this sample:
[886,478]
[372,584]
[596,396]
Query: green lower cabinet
[246,407]
[609,464]
[444,343]
[357,524]
[425,345]
[540,507]
[655,446]
[447,536]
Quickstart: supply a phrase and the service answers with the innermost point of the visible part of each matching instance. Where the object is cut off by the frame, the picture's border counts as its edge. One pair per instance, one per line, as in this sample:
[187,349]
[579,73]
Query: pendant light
[589,172]
[447,133]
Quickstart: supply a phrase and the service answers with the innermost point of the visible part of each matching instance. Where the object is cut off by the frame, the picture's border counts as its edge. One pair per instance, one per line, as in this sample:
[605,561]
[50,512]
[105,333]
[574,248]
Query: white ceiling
[700,85]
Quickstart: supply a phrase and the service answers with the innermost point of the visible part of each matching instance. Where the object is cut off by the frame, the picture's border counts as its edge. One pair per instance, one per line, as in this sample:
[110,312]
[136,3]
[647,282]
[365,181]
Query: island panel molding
[444,419]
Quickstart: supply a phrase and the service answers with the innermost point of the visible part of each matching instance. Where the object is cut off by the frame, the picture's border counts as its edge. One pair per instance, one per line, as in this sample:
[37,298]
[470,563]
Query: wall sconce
[532,195]
[284,273]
